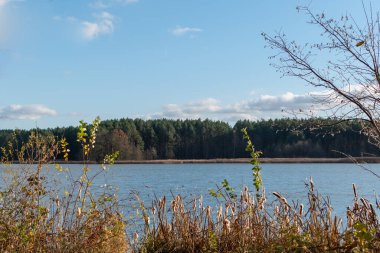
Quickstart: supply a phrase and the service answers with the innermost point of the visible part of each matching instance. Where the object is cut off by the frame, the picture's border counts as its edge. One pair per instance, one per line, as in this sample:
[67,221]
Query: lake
[150,180]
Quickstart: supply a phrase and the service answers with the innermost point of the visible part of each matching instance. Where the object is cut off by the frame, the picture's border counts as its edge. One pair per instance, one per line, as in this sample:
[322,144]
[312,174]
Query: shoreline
[247,160]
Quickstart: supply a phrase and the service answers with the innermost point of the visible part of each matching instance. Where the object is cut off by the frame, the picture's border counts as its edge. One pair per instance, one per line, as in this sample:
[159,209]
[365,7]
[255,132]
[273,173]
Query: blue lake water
[333,180]
[150,180]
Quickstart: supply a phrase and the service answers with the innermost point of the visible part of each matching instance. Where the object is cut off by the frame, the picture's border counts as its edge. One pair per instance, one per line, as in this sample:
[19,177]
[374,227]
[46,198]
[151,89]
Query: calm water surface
[150,180]
[334,180]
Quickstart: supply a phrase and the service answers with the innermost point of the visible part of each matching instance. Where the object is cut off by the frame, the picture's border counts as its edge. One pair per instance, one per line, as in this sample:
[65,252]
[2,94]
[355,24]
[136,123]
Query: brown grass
[252,225]
[36,217]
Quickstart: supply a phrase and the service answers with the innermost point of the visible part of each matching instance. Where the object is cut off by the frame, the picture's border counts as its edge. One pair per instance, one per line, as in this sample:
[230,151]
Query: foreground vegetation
[137,139]
[251,225]
[36,215]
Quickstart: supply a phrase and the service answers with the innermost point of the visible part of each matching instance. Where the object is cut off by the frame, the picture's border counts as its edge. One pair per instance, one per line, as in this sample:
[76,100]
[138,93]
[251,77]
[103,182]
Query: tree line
[138,139]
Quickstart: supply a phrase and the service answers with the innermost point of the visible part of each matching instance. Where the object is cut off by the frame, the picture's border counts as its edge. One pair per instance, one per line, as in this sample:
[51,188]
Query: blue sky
[66,60]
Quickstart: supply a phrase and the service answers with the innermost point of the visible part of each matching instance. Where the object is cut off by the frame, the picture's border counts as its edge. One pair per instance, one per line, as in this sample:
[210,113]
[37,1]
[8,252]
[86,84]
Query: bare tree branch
[349,76]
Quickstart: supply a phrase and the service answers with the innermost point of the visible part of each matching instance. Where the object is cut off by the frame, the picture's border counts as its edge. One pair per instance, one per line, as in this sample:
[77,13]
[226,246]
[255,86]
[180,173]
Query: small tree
[345,65]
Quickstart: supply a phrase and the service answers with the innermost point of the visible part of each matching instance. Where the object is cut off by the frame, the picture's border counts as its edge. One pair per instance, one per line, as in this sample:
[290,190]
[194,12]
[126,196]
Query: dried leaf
[360,43]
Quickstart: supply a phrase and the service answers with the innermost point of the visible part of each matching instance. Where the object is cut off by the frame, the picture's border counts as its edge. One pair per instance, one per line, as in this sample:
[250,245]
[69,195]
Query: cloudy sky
[66,60]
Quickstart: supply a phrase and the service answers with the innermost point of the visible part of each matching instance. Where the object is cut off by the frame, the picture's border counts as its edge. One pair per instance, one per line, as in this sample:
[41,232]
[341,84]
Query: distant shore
[247,160]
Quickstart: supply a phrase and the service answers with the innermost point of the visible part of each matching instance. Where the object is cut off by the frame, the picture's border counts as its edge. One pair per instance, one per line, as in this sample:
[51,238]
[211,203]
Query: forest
[138,139]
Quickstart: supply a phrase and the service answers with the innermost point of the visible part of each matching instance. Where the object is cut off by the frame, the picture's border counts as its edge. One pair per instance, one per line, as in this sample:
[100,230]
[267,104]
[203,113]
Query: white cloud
[25,112]
[264,106]
[181,30]
[104,24]
[286,101]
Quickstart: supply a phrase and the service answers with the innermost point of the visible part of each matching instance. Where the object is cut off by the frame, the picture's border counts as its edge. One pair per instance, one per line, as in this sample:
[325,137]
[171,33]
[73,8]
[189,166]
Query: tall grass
[35,216]
[251,226]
